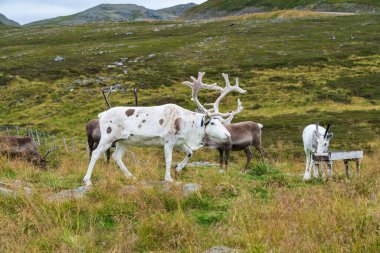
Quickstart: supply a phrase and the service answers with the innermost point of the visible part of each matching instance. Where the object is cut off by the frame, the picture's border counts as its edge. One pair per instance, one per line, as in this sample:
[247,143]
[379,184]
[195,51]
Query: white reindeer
[166,125]
[316,139]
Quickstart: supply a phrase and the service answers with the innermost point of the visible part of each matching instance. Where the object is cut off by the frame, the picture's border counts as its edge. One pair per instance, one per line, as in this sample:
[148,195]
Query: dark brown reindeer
[93,129]
[23,148]
[243,134]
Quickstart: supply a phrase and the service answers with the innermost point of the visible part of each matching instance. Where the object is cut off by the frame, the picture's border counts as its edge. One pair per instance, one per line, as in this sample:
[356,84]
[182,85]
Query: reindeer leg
[103,146]
[182,164]
[108,155]
[248,153]
[316,169]
[259,149]
[221,159]
[323,169]
[118,156]
[168,147]
[90,143]
[306,176]
[227,158]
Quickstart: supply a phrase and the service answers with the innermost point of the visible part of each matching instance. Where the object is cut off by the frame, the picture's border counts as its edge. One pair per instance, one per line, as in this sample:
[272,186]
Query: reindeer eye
[212,123]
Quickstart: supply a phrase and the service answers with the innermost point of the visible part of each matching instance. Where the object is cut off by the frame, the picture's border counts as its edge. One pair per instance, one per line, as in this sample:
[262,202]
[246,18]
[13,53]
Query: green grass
[227,7]
[295,74]
[290,67]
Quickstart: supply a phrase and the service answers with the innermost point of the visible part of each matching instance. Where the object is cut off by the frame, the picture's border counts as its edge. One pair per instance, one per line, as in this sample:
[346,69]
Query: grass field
[298,69]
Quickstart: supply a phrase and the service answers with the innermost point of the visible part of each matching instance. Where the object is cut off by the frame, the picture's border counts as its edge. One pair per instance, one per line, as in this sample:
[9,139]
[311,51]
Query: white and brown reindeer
[166,125]
[316,139]
[243,134]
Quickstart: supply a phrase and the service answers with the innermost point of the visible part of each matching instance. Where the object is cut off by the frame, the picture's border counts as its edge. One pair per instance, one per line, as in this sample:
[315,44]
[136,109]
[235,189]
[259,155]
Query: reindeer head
[215,129]
[42,161]
[213,119]
[322,139]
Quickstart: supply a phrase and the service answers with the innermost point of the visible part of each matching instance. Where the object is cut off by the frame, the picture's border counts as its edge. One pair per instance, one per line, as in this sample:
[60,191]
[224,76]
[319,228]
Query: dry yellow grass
[272,212]
[283,14]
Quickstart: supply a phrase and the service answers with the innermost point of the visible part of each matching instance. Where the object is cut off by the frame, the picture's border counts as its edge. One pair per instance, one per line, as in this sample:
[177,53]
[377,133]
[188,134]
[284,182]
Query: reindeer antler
[109,91]
[48,152]
[224,92]
[230,118]
[135,94]
[327,129]
[106,96]
[197,84]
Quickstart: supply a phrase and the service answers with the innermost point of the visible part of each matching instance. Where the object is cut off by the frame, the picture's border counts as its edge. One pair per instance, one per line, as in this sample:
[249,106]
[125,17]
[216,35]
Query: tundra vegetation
[297,70]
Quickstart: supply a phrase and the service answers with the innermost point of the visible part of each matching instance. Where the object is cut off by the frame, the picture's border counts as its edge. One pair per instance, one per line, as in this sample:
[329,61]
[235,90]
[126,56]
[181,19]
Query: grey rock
[12,189]
[59,58]
[200,164]
[69,194]
[189,189]
[221,249]
[151,56]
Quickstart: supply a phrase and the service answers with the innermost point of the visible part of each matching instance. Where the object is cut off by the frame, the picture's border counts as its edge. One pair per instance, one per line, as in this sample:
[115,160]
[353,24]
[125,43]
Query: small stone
[59,59]
[221,249]
[69,194]
[188,189]
[151,56]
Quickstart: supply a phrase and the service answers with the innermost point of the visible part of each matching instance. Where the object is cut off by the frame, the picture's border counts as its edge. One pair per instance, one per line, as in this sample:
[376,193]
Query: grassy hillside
[297,68]
[5,21]
[216,8]
[289,67]
[117,13]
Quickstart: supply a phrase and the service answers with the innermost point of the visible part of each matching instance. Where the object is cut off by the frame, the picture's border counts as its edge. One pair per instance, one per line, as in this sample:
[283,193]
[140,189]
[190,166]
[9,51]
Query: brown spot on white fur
[109,130]
[161,121]
[177,125]
[130,112]
[143,121]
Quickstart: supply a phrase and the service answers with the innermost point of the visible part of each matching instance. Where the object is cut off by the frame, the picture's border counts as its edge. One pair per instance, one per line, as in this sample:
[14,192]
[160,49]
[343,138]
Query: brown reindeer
[93,129]
[243,134]
[23,148]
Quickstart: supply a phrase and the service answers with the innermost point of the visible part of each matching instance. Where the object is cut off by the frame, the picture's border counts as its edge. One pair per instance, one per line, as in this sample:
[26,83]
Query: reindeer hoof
[169,179]
[87,182]
[178,169]
[132,178]
[306,178]
[221,171]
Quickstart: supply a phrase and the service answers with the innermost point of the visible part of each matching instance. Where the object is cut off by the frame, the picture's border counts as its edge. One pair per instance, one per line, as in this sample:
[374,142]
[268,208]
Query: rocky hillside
[117,12]
[220,8]
[175,11]
[5,21]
